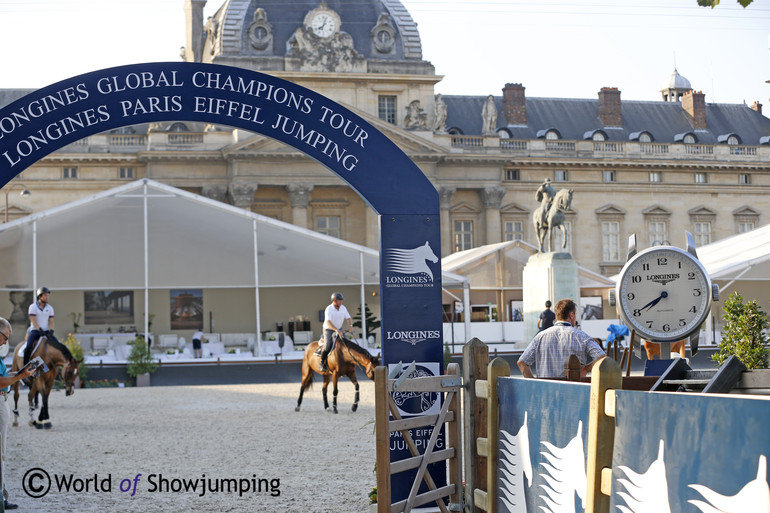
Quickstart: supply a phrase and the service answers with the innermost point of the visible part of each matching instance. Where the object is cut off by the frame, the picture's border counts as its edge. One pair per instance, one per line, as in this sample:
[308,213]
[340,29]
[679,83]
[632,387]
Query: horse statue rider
[550,214]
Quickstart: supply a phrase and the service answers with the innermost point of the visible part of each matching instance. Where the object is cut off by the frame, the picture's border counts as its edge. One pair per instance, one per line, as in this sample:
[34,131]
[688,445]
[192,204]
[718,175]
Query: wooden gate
[451,385]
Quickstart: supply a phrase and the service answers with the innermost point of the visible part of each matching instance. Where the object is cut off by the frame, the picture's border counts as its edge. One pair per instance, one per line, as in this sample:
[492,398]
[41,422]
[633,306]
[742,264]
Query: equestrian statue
[550,214]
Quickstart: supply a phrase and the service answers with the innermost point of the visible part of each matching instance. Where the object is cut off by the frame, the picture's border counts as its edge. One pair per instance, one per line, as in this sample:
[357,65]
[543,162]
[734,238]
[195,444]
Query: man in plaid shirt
[552,347]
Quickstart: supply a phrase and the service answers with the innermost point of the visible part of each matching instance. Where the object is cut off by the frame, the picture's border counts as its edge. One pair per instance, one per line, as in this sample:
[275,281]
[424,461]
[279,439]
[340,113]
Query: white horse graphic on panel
[565,475]
[411,261]
[515,464]
[755,496]
[648,492]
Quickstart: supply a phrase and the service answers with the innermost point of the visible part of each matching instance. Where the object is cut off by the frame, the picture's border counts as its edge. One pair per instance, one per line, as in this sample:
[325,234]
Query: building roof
[358,19]
[573,118]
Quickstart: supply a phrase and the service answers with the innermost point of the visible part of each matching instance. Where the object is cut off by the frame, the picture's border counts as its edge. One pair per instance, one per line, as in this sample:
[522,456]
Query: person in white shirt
[334,319]
[197,339]
[41,321]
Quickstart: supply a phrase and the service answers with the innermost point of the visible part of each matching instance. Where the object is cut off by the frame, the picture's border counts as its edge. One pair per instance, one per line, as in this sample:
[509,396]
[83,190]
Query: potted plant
[744,333]
[140,362]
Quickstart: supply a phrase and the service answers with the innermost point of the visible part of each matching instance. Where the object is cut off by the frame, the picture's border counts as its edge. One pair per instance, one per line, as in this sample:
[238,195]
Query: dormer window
[504,133]
[642,137]
[549,134]
[595,135]
[686,138]
[729,139]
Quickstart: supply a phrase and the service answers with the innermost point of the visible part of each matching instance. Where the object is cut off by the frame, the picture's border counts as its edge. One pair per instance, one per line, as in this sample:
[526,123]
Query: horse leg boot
[355,403]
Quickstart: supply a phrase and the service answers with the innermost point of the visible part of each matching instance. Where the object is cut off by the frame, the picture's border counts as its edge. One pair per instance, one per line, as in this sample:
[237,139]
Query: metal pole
[256,287]
[34,256]
[363,298]
[146,270]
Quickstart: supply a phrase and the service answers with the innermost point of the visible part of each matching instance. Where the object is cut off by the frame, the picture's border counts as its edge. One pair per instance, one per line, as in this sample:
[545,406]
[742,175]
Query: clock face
[664,294]
[323,25]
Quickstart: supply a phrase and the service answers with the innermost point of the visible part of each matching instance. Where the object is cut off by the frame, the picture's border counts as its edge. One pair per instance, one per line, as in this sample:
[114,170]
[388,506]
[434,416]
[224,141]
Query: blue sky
[555,48]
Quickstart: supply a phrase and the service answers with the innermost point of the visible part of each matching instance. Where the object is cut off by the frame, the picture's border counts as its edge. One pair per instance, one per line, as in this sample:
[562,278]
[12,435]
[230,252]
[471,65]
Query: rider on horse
[41,321]
[334,317]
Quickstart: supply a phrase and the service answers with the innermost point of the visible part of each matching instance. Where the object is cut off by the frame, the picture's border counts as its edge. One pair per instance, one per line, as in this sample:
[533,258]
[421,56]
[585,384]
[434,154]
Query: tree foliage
[140,361]
[714,3]
[744,333]
[372,323]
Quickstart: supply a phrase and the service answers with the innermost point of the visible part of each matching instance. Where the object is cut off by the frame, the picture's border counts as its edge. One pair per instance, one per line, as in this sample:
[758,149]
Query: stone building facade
[651,168]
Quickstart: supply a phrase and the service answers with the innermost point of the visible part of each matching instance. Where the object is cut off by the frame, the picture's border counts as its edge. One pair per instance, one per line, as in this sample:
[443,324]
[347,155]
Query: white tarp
[98,243]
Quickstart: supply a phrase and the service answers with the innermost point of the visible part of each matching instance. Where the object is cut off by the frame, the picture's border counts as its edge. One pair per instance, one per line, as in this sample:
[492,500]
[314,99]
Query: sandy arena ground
[322,462]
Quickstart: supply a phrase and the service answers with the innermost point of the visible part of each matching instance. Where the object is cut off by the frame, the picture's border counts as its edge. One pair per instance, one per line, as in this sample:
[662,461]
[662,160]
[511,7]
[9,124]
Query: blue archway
[407,203]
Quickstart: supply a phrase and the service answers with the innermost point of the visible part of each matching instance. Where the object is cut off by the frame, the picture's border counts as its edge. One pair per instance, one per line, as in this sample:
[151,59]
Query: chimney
[609,107]
[694,104]
[514,104]
[757,107]
[193,11]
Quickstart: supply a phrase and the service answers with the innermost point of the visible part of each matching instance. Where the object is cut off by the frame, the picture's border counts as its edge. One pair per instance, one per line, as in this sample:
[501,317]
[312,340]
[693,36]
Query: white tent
[147,235]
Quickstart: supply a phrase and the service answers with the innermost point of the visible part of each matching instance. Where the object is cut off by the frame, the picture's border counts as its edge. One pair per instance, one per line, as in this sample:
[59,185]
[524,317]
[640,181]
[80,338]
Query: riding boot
[324,366]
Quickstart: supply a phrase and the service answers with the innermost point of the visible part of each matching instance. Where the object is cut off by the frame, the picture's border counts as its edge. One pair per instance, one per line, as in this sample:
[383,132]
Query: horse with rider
[550,215]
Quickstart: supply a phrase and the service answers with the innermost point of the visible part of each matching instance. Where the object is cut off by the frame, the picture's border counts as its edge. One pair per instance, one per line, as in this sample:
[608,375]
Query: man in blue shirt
[5,383]
[550,348]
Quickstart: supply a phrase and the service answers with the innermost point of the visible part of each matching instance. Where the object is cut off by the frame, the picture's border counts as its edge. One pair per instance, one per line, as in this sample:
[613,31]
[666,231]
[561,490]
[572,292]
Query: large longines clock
[664,293]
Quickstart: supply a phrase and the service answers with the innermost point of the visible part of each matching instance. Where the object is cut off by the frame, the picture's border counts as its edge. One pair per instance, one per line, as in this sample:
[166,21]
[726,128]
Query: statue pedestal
[547,276]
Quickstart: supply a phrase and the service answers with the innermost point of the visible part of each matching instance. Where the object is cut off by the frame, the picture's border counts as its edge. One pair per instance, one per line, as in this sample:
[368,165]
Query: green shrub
[744,333]
[140,361]
[73,344]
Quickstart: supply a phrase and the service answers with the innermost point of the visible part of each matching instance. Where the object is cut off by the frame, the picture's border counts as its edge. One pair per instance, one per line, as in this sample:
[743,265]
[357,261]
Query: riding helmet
[337,295]
[41,291]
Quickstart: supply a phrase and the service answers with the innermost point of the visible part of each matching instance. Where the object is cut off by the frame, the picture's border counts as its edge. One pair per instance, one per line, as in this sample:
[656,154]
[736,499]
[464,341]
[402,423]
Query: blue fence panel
[542,445]
[685,453]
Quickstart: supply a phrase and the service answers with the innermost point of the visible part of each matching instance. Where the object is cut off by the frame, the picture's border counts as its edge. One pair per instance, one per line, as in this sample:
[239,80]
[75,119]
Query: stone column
[372,228]
[215,192]
[299,196]
[445,194]
[492,197]
[242,193]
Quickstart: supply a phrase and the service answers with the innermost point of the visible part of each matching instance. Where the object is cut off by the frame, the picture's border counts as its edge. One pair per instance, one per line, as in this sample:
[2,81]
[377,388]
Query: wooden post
[497,368]
[382,437]
[601,434]
[475,361]
[455,463]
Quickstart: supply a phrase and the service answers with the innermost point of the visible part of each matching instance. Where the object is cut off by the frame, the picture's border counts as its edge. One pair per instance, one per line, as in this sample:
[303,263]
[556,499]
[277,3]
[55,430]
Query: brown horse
[55,355]
[342,361]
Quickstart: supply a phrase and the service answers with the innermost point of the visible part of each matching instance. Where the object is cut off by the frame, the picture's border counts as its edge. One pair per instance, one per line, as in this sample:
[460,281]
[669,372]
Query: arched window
[645,137]
[689,139]
[598,136]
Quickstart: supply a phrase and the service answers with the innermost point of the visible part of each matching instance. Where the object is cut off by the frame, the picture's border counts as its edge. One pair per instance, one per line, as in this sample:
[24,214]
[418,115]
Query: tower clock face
[323,25]
[664,294]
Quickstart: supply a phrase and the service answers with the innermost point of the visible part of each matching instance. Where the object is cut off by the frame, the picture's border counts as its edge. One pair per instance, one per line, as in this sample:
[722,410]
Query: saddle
[322,344]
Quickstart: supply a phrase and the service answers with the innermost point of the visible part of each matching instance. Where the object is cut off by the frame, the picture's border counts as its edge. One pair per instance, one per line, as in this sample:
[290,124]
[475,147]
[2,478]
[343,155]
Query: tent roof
[193,242]
[745,256]
[475,264]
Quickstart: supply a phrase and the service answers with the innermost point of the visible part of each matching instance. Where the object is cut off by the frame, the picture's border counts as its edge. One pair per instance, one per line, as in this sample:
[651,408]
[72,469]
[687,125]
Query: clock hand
[655,301]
